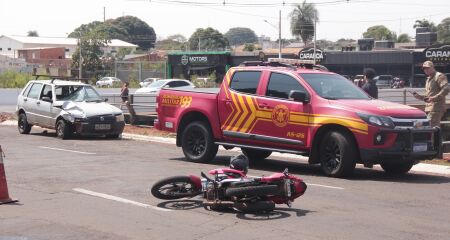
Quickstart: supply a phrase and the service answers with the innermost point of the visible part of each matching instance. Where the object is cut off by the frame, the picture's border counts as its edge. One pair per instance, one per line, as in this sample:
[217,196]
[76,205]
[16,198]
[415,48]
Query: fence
[140,70]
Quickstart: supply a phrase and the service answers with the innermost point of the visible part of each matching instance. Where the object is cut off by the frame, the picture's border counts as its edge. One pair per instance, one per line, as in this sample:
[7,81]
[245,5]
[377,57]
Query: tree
[91,42]
[170,44]
[209,38]
[379,32]
[425,23]
[137,31]
[443,31]
[239,36]
[403,38]
[302,21]
[32,33]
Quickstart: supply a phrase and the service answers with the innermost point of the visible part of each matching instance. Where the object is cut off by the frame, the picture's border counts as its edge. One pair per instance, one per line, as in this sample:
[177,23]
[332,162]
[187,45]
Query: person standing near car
[124,94]
[370,86]
[436,89]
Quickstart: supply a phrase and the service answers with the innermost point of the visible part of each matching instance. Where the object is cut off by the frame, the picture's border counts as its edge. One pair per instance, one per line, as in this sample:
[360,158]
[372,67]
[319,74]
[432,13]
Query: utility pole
[104,14]
[199,43]
[279,35]
[315,37]
[80,61]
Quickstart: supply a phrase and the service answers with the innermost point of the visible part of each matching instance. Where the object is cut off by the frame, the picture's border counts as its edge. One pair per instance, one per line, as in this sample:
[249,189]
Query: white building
[9,45]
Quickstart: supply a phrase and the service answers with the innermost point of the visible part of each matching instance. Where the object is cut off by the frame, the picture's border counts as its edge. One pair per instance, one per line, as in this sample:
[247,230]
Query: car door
[237,106]
[30,102]
[286,122]
[44,106]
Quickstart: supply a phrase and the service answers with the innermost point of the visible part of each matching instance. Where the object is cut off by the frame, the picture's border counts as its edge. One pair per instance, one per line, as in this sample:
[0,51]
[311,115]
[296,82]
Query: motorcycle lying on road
[231,188]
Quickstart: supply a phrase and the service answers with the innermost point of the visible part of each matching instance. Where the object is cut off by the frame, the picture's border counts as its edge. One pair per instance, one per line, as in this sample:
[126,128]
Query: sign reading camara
[308,54]
[438,54]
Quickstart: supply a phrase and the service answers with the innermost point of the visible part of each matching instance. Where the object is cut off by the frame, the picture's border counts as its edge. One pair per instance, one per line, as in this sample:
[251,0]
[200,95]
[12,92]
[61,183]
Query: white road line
[325,186]
[118,199]
[66,150]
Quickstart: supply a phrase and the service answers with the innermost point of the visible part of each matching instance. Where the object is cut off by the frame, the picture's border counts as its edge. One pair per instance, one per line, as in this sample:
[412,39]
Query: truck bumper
[410,145]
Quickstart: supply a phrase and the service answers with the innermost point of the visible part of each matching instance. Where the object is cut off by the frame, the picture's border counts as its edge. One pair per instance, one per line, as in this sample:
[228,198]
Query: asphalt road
[53,179]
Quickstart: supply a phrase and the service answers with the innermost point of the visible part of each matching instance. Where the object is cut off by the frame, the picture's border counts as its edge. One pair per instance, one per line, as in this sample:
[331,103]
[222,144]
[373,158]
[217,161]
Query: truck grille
[417,122]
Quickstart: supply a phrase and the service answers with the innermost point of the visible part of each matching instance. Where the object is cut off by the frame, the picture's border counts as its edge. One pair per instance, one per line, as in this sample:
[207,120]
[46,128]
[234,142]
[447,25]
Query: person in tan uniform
[436,89]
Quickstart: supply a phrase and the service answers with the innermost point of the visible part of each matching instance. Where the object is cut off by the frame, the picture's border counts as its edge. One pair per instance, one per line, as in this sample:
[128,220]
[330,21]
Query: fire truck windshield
[333,86]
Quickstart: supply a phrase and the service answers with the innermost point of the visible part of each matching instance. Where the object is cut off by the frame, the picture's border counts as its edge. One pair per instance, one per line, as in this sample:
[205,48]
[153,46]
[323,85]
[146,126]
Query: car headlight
[80,119]
[380,121]
[120,118]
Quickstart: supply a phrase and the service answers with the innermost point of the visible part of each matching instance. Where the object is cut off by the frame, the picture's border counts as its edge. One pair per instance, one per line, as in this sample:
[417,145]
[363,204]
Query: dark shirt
[124,94]
[371,88]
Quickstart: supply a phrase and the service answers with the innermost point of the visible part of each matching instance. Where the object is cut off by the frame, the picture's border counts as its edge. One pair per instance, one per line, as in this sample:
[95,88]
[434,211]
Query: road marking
[118,199]
[66,150]
[325,186]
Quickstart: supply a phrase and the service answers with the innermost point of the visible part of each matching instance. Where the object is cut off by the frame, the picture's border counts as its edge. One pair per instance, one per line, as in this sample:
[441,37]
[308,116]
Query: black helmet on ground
[240,163]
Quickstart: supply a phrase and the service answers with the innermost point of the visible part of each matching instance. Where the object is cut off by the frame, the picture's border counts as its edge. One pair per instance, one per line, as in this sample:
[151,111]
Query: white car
[69,107]
[148,81]
[108,82]
[166,83]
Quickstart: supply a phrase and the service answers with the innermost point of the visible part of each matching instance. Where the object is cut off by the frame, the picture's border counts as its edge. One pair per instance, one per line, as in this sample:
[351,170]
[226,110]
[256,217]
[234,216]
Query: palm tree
[302,21]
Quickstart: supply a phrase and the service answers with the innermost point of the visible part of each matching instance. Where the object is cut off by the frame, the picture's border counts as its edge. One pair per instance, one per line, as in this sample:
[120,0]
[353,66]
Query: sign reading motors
[438,54]
[308,54]
[194,60]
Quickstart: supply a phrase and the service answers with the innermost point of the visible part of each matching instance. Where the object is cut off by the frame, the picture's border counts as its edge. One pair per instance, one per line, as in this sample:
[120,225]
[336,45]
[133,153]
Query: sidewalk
[421,167]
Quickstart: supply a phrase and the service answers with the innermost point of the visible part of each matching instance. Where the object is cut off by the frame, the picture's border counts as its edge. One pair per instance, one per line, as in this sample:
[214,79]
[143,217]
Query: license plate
[420,147]
[102,126]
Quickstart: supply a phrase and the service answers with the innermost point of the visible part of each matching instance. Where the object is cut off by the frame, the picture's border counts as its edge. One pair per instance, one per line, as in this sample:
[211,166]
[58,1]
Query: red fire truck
[292,106]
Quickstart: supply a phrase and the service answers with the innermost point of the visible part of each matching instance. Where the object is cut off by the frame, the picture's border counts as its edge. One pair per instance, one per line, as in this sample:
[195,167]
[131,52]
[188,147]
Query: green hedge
[13,79]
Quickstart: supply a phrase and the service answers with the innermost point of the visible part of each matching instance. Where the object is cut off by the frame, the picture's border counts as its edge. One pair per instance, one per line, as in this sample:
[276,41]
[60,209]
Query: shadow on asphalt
[52,134]
[278,213]
[302,168]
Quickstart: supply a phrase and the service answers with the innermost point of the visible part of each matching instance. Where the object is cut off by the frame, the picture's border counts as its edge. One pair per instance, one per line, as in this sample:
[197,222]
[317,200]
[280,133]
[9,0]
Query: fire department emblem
[280,115]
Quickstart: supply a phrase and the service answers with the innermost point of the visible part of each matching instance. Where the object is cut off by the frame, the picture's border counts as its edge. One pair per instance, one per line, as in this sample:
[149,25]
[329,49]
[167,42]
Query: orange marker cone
[4,196]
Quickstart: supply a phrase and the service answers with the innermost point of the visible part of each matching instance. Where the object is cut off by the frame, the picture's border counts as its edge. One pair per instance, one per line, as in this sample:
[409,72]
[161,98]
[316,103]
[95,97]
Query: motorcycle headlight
[380,121]
[120,118]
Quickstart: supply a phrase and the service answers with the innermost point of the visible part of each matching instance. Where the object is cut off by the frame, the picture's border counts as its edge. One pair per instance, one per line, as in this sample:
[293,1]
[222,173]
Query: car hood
[379,107]
[147,90]
[89,109]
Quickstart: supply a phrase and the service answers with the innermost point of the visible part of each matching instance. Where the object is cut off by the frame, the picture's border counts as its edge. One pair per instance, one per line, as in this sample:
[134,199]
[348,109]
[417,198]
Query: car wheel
[397,168]
[337,154]
[197,142]
[23,125]
[63,129]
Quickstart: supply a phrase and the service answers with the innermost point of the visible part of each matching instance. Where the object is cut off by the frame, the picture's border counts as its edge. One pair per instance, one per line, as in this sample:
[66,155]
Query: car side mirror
[299,96]
[47,99]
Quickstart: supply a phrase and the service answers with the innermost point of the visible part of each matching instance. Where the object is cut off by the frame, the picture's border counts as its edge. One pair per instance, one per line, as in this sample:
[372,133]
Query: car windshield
[333,86]
[157,84]
[78,93]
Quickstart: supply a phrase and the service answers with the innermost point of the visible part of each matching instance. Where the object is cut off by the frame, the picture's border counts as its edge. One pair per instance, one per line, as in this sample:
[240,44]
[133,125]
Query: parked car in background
[148,81]
[384,81]
[69,108]
[156,86]
[108,82]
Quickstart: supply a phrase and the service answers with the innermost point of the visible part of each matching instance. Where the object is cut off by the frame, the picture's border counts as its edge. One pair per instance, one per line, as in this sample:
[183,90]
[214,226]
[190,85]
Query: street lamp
[279,33]
[80,61]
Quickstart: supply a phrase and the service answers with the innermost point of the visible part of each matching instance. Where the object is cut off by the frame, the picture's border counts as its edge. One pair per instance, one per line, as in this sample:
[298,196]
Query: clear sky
[338,19]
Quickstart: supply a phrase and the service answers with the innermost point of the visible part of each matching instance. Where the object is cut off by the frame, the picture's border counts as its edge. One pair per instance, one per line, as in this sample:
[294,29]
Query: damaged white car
[68,107]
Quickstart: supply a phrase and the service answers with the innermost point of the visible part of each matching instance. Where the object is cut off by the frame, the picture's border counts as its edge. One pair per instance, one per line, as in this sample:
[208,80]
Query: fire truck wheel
[255,154]
[337,154]
[397,168]
[197,142]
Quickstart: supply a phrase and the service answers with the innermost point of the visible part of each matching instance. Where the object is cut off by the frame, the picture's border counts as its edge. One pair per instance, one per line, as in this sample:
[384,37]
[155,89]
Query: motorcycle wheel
[252,191]
[255,206]
[175,188]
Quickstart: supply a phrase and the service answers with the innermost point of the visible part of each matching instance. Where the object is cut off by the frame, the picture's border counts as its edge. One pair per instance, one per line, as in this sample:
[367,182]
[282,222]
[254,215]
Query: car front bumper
[97,129]
[406,146]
